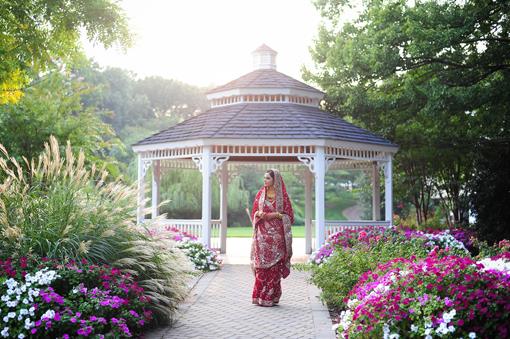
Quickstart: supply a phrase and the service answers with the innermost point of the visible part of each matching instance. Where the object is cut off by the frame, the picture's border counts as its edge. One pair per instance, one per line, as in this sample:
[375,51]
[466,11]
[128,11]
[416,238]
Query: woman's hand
[268,216]
[273,215]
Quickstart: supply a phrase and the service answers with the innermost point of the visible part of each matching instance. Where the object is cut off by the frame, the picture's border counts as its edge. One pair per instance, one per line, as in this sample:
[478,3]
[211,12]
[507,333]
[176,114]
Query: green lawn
[246,232]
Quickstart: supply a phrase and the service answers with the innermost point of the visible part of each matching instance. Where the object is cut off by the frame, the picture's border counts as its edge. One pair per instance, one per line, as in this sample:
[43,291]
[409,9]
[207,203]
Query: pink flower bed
[432,297]
[48,299]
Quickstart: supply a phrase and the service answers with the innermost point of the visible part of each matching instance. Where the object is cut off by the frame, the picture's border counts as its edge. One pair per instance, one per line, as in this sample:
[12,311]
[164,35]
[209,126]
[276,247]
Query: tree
[37,35]
[53,107]
[427,75]
[490,189]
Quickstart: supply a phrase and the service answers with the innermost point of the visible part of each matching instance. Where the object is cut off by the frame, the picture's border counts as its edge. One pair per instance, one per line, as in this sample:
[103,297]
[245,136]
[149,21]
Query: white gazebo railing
[334,226]
[193,227]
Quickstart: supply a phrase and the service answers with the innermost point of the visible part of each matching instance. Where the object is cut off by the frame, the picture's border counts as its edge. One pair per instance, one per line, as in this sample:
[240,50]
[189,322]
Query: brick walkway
[219,306]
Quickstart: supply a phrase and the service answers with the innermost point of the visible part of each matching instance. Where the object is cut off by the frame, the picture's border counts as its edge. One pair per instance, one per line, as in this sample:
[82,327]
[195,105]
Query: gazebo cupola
[264,85]
[264,57]
[266,119]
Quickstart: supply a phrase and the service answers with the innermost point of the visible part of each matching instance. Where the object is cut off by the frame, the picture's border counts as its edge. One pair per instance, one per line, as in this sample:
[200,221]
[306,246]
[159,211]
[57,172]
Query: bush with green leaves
[55,207]
[202,257]
[338,275]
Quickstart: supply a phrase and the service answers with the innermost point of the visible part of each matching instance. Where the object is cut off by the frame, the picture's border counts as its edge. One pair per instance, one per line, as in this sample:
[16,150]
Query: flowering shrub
[346,239]
[69,300]
[178,235]
[500,262]
[337,275]
[443,239]
[434,296]
[454,240]
[202,257]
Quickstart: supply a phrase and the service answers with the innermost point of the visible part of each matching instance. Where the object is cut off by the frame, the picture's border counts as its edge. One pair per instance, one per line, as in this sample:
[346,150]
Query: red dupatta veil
[272,240]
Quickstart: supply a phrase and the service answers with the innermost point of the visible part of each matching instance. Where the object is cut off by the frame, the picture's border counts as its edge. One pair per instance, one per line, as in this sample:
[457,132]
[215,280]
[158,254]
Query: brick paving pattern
[219,306]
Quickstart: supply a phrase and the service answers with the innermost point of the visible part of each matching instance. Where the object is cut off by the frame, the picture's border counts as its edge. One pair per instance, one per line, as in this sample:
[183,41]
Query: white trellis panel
[193,227]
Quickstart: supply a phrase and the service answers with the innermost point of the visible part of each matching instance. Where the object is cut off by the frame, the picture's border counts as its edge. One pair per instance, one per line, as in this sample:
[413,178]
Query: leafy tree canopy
[433,76]
[38,34]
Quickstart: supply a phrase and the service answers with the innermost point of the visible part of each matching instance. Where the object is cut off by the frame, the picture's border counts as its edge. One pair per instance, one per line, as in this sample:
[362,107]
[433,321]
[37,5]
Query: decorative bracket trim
[308,161]
[329,161]
[217,162]
[198,162]
[146,164]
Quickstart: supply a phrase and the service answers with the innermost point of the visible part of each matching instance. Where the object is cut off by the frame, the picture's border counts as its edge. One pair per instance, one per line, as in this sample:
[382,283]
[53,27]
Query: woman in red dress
[271,249]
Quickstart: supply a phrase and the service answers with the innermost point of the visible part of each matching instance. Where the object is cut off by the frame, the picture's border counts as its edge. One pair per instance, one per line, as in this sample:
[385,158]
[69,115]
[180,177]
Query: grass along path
[246,232]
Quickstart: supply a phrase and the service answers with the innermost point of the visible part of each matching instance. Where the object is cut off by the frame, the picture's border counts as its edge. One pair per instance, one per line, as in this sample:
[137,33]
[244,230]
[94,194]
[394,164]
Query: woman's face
[268,181]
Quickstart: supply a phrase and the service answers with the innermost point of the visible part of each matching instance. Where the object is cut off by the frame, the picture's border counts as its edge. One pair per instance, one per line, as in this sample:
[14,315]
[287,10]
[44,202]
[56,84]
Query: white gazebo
[266,119]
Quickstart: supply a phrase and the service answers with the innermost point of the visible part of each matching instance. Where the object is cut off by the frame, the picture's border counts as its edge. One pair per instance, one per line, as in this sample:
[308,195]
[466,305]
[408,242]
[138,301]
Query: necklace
[270,194]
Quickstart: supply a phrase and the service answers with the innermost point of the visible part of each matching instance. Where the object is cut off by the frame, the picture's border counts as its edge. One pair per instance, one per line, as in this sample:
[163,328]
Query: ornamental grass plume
[162,270]
[55,207]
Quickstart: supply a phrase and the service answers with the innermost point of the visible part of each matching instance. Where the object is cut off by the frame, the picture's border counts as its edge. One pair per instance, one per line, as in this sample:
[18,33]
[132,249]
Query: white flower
[386,331]
[498,265]
[23,311]
[11,283]
[5,332]
[394,336]
[29,324]
[428,336]
[352,302]
[451,329]
[448,316]
[6,319]
[472,335]
[21,336]
[11,314]
[11,303]
[442,329]
[50,314]
[414,328]
[5,298]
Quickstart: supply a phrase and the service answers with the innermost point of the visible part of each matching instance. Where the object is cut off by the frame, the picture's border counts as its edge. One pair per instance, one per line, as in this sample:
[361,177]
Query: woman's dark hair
[271,173]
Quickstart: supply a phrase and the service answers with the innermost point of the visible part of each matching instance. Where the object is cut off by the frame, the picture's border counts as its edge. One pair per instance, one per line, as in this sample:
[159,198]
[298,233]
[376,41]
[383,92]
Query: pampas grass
[55,207]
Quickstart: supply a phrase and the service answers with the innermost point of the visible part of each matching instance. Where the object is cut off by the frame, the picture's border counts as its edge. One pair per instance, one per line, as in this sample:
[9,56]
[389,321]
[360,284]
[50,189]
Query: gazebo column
[388,189]
[376,192]
[142,169]
[320,214]
[156,178]
[223,207]
[206,195]
[308,211]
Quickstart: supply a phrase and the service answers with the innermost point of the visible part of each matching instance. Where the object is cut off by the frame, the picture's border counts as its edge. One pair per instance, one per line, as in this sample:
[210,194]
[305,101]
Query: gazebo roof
[265,121]
[270,106]
[264,78]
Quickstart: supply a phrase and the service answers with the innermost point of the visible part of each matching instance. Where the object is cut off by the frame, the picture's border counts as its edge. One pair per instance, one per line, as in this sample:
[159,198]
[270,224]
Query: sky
[209,42]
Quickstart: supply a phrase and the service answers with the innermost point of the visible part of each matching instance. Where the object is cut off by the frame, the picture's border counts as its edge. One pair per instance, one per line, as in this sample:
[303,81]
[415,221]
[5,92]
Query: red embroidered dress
[272,244]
